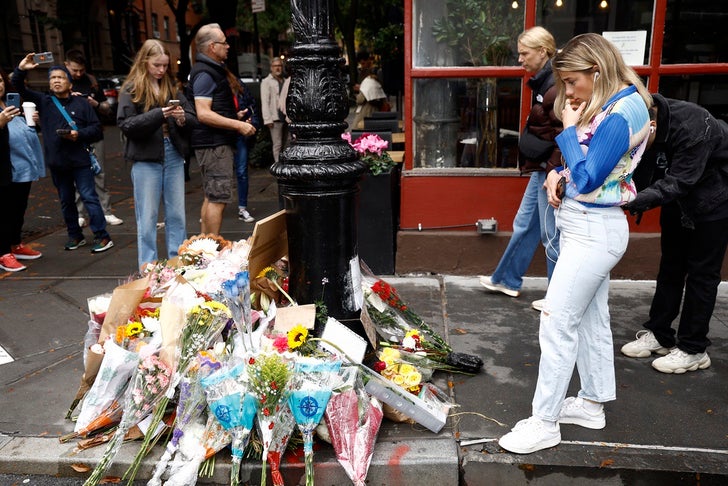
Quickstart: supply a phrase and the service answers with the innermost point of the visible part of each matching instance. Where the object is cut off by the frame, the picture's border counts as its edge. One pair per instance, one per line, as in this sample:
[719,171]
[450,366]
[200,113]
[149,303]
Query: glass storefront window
[694,32]
[466,122]
[567,18]
[465,32]
[710,92]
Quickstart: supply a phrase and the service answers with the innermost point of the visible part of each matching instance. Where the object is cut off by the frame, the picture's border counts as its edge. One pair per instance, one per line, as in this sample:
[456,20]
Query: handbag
[95,165]
[534,148]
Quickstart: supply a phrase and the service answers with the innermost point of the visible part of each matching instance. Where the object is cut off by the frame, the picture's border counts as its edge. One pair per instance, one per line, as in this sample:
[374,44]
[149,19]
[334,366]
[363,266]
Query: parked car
[111,87]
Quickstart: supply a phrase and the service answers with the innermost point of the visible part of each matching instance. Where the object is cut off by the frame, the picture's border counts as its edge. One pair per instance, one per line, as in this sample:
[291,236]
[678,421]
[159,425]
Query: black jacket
[144,133]
[204,136]
[537,148]
[687,163]
[60,152]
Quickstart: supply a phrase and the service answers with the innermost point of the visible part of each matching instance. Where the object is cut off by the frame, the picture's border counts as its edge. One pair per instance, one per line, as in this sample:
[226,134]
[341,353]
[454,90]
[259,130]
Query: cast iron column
[318,172]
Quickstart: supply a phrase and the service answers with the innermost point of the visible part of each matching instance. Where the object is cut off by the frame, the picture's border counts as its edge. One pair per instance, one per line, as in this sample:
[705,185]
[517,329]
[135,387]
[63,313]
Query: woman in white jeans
[603,106]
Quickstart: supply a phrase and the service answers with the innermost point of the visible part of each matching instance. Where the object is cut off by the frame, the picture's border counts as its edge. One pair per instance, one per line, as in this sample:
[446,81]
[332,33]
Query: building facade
[466,100]
[109,32]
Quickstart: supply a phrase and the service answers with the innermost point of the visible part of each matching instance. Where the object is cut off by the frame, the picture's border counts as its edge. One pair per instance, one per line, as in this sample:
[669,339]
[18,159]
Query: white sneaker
[82,222]
[538,304]
[573,411]
[244,215]
[494,287]
[642,347]
[531,435]
[113,220]
[678,362]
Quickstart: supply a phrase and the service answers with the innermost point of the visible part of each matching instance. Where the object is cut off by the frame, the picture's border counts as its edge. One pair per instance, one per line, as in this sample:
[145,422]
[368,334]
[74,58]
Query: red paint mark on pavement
[395,473]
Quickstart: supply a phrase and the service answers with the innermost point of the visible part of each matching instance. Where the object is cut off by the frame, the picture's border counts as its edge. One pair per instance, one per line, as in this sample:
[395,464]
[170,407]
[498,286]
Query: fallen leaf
[668,392]
[606,462]
[709,411]
[110,480]
[82,468]
[460,331]
[527,467]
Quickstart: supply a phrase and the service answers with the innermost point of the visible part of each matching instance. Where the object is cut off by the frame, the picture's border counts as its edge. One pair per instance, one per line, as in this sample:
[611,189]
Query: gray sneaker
[642,347]
[678,362]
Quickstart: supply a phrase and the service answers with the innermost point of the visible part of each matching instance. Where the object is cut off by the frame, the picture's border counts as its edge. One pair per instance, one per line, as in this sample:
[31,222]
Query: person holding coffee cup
[21,163]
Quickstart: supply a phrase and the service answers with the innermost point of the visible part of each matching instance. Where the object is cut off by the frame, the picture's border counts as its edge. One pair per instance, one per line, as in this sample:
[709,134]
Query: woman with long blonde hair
[603,105]
[155,117]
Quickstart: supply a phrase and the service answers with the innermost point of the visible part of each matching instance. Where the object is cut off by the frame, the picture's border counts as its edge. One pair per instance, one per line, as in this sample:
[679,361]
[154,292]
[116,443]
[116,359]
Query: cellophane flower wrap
[107,391]
[235,409]
[191,404]
[310,390]
[201,440]
[236,294]
[97,307]
[147,386]
[268,376]
[204,323]
[353,418]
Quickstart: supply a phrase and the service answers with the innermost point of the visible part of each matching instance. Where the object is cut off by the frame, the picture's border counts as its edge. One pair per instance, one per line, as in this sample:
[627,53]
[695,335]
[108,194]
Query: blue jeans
[534,221]
[575,326]
[241,170]
[154,182]
[81,179]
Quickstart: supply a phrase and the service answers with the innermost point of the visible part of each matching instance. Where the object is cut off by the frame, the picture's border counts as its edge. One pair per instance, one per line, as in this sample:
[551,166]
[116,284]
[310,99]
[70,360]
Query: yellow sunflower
[297,336]
[134,328]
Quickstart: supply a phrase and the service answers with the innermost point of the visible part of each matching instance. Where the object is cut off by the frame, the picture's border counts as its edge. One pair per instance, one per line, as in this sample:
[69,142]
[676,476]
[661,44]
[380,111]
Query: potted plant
[378,203]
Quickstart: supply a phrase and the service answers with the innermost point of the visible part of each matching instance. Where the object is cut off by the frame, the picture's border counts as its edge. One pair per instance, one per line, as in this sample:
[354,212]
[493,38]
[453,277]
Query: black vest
[204,136]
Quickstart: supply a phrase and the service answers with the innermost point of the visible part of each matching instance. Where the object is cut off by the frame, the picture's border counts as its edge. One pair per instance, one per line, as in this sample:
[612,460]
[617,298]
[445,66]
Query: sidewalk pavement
[662,429]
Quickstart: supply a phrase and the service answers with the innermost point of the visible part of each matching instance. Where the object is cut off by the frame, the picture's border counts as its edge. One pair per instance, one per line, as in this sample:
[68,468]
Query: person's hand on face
[579,87]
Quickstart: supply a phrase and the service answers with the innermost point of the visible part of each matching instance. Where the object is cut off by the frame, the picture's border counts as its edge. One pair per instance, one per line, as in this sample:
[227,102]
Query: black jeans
[14,201]
[691,259]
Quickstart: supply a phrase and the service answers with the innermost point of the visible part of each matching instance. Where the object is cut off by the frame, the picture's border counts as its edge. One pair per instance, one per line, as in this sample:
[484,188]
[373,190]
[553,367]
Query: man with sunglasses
[214,138]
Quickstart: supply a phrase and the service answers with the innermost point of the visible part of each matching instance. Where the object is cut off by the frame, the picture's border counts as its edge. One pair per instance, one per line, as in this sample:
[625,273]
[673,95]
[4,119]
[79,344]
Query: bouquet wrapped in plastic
[394,319]
[235,408]
[101,404]
[190,405]
[353,418]
[268,376]
[146,388]
[310,390]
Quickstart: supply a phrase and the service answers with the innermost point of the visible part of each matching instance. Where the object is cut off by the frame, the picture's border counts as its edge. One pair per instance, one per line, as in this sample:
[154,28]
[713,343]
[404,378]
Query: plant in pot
[378,203]
[481,33]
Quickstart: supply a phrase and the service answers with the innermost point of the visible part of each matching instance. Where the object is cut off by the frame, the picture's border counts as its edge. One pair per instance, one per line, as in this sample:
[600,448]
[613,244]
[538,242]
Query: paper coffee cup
[28,110]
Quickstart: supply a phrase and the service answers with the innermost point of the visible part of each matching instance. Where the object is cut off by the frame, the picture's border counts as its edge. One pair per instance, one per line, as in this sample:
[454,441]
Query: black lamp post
[318,172]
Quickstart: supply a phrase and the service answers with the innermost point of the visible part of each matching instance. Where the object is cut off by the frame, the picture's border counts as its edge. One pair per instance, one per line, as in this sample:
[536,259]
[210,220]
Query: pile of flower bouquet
[190,355]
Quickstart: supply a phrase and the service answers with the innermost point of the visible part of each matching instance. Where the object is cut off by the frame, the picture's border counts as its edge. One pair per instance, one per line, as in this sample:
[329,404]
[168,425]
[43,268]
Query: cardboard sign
[344,340]
[288,317]
[268,244]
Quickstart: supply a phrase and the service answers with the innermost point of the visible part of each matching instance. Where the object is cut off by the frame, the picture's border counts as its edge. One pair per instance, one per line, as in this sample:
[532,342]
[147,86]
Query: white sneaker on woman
[574,411]
[531,435]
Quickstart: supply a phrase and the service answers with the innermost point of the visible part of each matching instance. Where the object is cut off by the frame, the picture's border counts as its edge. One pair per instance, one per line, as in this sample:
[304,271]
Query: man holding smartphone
[86,86]
[65,153]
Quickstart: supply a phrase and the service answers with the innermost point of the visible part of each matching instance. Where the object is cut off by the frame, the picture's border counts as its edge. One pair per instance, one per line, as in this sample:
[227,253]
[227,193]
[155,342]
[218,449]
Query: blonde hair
[593,53]
[139,83]
[537,38]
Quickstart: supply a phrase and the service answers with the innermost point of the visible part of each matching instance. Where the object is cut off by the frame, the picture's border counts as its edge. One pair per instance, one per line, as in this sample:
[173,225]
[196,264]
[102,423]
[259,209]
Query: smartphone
[43,58]
[13,99]
[63,131]
[174,103]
